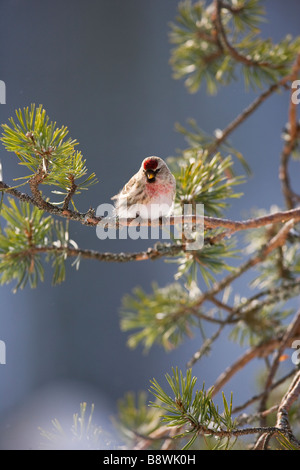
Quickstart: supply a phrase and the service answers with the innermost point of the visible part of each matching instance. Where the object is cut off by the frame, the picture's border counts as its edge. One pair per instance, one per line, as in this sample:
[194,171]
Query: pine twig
[262,350]
[250,401]
[34,183]
[282,415]
[71,192]
[89,218]
[290,196]
[218,6]
[223,135]
[282,424]
[158,251]
[290,332]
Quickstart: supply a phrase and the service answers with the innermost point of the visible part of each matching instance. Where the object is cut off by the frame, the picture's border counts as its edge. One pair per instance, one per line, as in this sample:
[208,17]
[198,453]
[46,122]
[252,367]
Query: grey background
[101,68]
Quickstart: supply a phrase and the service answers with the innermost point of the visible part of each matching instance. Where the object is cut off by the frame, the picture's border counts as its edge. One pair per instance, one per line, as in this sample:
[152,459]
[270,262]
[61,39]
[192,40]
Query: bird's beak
[150,175]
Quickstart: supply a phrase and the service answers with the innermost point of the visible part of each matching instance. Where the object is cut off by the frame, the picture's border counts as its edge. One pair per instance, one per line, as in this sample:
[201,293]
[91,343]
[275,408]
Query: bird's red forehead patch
[150,164]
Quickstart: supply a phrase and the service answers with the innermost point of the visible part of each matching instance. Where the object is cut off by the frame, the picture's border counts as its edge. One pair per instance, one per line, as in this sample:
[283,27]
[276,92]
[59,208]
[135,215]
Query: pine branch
[205,51]
[34,183]
[89,218]
[260,351]
[277,241]
[223,135]
[71,192]
[158,251]
[218,6]
[283,425]
[292,330]
[48,154]
[282,416]
[196,412]
[291,197]
[250,401]
[251,313]
[206,346]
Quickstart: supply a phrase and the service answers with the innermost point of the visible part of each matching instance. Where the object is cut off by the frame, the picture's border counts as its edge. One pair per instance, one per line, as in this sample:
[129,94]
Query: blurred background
[101,68]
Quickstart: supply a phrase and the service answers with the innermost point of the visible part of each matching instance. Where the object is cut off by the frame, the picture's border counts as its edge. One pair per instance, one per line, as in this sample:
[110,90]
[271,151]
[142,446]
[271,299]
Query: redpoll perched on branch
[149,193]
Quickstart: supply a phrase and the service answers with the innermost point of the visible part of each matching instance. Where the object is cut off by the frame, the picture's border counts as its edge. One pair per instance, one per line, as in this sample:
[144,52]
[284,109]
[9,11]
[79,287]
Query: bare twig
[164,433]
[223,135]
[158,251]
[283,425]
[71,192]
[239,408]
[260,351]
[290,332]
[205,346]
[290,196]
[34,183]
[282,415]
[275,242]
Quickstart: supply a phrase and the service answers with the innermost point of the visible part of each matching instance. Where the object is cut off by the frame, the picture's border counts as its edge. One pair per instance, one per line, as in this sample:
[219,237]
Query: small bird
[150,193]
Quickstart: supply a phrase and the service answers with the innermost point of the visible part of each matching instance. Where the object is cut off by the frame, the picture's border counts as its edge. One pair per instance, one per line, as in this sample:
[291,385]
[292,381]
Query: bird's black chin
[151,180]
[151,176]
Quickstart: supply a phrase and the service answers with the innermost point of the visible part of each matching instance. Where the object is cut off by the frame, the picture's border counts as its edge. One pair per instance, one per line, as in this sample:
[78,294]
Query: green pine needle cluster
[261,323]
[191,411]
[200,54]
[26,229]
[83,435]
[135,417]
[170,314]
[209,262]
[206,180]
[40,144]
[157,318]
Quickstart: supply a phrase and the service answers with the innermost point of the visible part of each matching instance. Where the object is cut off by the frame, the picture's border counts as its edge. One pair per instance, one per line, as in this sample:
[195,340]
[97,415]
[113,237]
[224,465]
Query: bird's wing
[127,188]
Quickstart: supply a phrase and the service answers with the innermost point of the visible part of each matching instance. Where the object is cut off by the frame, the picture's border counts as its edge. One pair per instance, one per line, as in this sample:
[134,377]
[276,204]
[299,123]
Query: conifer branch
[250,401]
[232,126]
[158,251]
[288,399]
[277,241]
[197,413]
[283,425]
[293,133]
[292,331]
[34,183]
[218,6]
[89,218]
[71,192]
[260,351]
